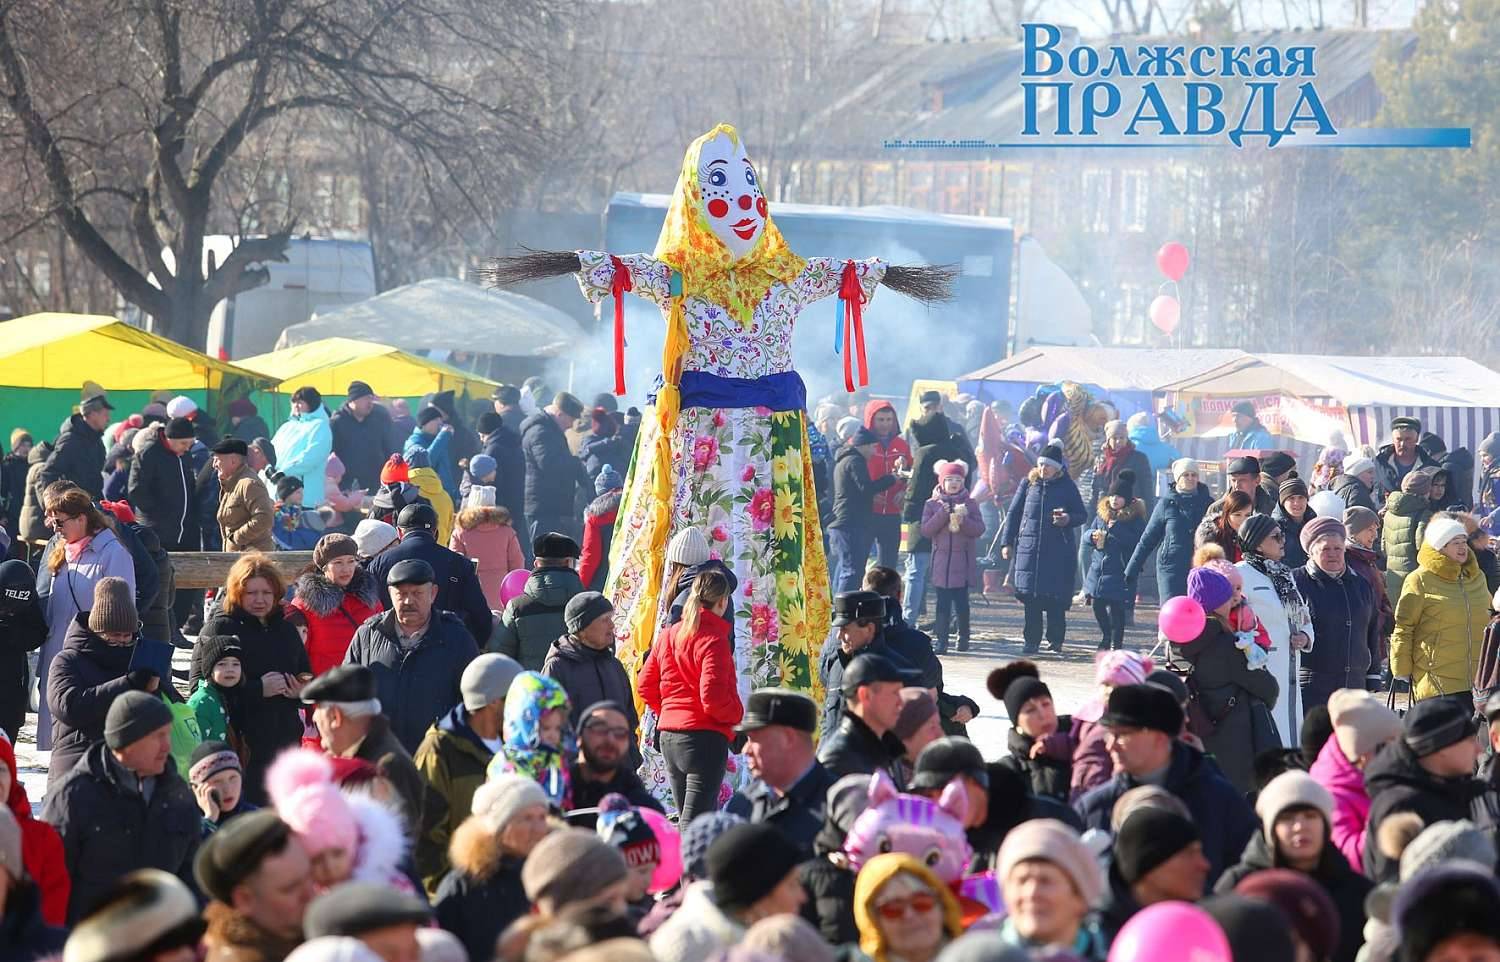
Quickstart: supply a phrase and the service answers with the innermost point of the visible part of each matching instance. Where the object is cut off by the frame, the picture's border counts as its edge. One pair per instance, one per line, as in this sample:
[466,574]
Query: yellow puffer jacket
[426,481]
[1440,621]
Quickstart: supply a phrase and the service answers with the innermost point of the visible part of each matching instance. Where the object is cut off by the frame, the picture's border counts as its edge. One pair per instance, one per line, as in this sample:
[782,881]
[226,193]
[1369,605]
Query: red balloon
[1165,312]
[1172,259]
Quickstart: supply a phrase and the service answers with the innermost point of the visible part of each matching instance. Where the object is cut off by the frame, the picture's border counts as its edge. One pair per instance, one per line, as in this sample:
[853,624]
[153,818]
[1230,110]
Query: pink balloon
[669,869]
[1172,260]
[1179,931]
[1165,313]
[513,584]
[1181,620]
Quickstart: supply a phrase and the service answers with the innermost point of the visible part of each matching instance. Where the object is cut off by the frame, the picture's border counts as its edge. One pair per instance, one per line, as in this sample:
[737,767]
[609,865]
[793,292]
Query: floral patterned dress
[742,474]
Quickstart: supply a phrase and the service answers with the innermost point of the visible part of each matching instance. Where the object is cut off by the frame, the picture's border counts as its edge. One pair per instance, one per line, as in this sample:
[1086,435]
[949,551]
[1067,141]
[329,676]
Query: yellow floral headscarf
[873,877]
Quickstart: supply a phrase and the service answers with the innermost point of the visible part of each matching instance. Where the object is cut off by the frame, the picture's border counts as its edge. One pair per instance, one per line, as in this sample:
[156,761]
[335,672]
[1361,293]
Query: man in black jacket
[1394,461]
[553,474]
[363,437]
[583,660]
[163,486]
[792,788]
[857,620]
[863,741]
[849,532]
[78,454]
[504,445]
[604,763]
[458,588]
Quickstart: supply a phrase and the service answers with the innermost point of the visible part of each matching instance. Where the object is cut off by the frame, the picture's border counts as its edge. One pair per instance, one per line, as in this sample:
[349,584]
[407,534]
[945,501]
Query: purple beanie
[1209,588]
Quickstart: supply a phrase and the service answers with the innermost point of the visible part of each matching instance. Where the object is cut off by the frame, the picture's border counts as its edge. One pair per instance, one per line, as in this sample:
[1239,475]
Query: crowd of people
[421,743]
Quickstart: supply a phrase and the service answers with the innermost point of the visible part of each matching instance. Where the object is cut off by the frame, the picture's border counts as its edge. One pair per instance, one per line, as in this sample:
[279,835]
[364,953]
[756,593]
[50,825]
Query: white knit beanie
[1440,531]
[1048,840]
[503,796]
[373,537]
[1182,466]
[688,547]
[1292,789]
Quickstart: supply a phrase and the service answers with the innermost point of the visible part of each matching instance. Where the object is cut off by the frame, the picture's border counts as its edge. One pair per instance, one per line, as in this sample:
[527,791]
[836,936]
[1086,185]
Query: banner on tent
[1285,416]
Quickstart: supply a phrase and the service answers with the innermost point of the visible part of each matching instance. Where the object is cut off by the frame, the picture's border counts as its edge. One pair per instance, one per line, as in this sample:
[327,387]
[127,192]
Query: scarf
[73,549]
[1114,458]
[1280,577]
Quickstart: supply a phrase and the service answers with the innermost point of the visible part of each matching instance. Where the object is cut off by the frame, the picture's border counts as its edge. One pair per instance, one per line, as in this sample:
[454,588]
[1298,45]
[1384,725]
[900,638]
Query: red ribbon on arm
[853,297]
[619,285]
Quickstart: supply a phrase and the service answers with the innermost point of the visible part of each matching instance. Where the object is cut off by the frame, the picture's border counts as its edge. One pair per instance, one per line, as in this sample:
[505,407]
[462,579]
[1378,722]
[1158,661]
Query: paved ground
[996,640]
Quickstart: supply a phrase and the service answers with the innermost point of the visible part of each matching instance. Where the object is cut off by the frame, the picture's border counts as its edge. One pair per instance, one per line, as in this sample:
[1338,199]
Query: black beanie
[1149,837]
[1255,529]
[132,716]
[1124,485]
[1257,931]
[747,862]
[1015,684]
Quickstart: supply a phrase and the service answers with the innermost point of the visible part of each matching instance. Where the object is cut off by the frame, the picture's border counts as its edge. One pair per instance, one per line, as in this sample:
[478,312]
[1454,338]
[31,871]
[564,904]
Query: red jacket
[883,461]
[598,533]
[41,846]
[691,682]
[333,614]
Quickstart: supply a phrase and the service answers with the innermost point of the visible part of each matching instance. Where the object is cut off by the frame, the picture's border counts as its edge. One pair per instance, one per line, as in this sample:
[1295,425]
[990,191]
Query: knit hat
[1147,838]
[846,428]
[1361,722]
[1321,527]
[1255,529]
[300,785]
[1051,457]
[1442,530]
[955,469]
[1291,487]
[1303,901]
[503,796]
[212,649]
[1124,485]
[1433,724]
[114,608]
[486,679]
[747,862]
[687,547]
[568,404]
[181,406]
[10,845]
[1442,902]
[332,546]
[1015,684]
[209,759]
[1115,668]
[788,937]
[1171,682]
[570,865]
[699,835]
[608,480]
[583,609]
[1418,481]
[132,716]
[428,413]
[1358,518]
[1182,466]
[395,470]
[1257,930]
[287,485]
[372,537]
[143,914]
[1446,841]
[1291,789]
[359,389]
[1358,466]
[1048,840]
[1209,588]
[917,706]
[488,423]
[480,496]
[623,827]
[1277,463]
[481,465]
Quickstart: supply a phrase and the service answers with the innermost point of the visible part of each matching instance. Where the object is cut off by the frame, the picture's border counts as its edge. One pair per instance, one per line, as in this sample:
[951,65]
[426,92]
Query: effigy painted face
[733,204]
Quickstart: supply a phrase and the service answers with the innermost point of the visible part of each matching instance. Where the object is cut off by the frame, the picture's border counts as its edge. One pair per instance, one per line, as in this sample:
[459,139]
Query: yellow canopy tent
[46,358]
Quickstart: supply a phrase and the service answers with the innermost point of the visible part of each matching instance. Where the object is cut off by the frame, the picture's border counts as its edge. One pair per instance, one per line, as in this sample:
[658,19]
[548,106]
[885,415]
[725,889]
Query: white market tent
[442,313]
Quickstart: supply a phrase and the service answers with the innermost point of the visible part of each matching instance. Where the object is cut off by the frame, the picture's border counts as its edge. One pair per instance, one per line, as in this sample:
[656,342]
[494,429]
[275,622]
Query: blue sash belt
[779,392]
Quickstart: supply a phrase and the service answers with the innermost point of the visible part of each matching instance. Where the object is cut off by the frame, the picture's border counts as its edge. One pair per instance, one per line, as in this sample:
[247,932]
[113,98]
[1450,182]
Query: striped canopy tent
[45,359]
[331,363]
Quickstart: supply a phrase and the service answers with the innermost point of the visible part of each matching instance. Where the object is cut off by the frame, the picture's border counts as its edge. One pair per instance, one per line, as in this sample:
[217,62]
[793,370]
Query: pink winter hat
[951,469]
[1117,668]
[300,784]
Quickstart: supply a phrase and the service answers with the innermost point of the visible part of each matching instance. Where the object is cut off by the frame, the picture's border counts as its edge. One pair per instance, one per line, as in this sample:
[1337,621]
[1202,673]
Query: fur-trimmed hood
[1035,475]
[1132,511]
[323,596]
[485,515]
[606,504]
[231,934]
[475,850]
[382,840]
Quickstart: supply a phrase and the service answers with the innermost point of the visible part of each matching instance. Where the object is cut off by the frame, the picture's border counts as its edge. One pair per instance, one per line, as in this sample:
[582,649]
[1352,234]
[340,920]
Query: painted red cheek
[718,207]
[760,206]
[745,201]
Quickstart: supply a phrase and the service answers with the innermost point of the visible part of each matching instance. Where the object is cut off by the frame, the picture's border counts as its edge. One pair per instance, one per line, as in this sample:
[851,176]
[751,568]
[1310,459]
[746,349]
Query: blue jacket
[1257,437]
[1122,532]
[438,457]
[417,685]
[1171,528]
[1044,555]
[459,590]
[303,445]
[1158,452]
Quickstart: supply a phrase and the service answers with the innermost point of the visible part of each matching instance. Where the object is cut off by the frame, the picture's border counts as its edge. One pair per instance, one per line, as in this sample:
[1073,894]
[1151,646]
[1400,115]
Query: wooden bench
[208,569]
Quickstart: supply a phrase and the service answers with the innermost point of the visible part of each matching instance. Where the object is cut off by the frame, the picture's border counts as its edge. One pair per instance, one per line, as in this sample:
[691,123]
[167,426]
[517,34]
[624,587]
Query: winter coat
[417,685]
[1404,524]
[1282,661]
[882,461]
[1253,438]
[914,647]
[1397,782]
[33,524]
[855,749]
[1441,615]
[452,761]
[13,471]
[690,680]
[1043,555]
[698,931]
[249,428]
[245,512]
[164,491]
[510,473]
[41,847]
[799,812]
[303,445]
[1346,632]
[232,937]
[854,491]
[1344,885]
[830,898]
[439,449]
[1387,479]
[587,793]
[1240,699]
[78,455]
[1122,529]
[553,474]
[155,611]
[26,934]
[1489,564]
[1354,492]
[67,593]
[1050,774]
[210,705]
[1351,803]
[381,749]
[117,484]
[494,545]
[589,675]
[1296,557]
[109,829]
[1366,564]
[931,442]
[831,665]
[482,894]
[1170,534]
[1210,532]
[23,629]
[1158,452]
[427,482]
[269,724]
[1225,820]
[598,534]
[1011,803]
[955,561]
[596,452]
[1133,460]
[365,445]
[334,614]
[534,620]
[459,591]
[1091,764]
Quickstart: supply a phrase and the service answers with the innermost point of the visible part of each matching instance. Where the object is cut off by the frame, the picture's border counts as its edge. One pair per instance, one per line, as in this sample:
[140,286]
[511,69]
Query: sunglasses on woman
[919,904]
